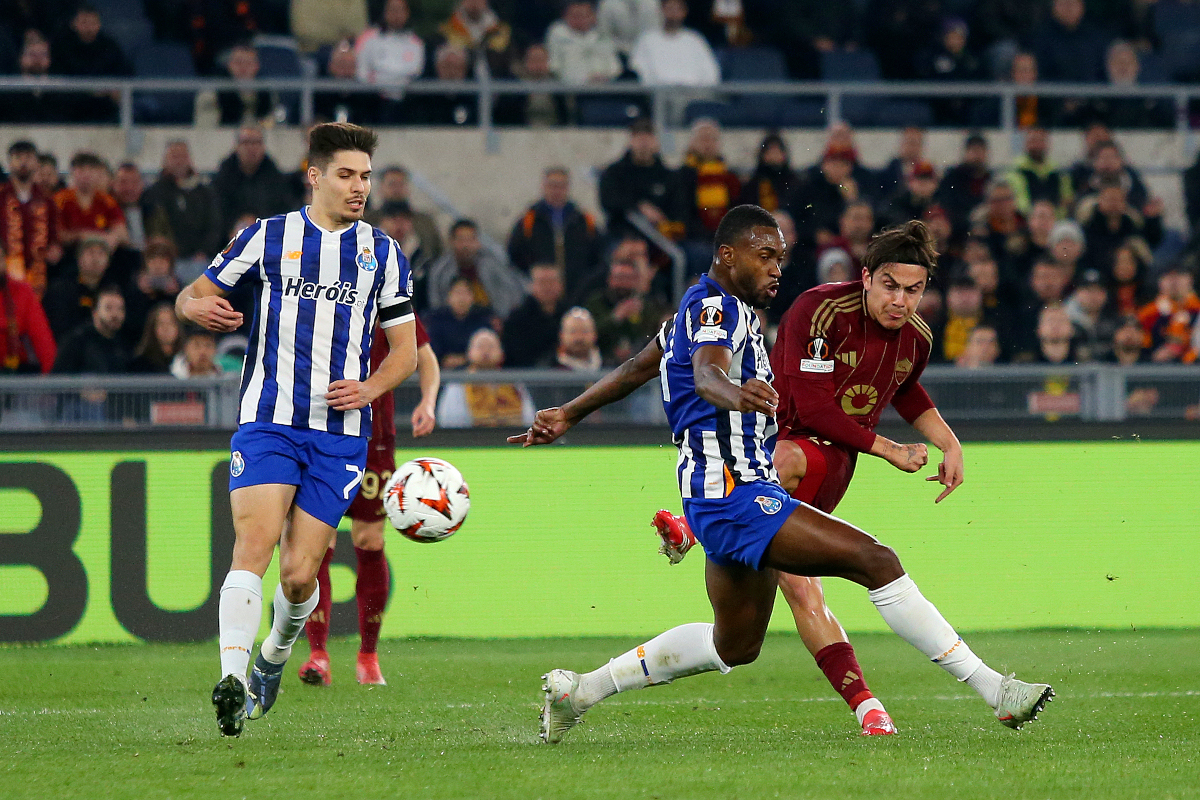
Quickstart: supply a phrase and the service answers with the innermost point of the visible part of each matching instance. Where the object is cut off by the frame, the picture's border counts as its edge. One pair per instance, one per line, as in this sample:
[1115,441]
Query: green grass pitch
[458,720]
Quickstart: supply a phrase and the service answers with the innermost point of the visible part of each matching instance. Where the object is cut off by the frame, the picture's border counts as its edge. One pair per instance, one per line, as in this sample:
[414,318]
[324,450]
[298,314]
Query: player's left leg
[372,594]
[316,671]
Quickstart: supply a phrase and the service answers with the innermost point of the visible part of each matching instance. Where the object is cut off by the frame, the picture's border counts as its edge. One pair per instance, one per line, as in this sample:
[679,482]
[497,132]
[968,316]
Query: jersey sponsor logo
[237,464]
[769,505]
[341,293]
[366,260]
[860,400]
[849,359]
[903,370]
[710,315]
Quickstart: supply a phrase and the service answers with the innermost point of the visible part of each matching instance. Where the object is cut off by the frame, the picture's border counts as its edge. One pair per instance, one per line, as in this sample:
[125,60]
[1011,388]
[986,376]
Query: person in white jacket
[579,52]
[390,53]
[675,55]
[624,21]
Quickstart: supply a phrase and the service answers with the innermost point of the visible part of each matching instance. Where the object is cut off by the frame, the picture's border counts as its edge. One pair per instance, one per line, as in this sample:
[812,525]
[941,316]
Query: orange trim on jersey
[729,484]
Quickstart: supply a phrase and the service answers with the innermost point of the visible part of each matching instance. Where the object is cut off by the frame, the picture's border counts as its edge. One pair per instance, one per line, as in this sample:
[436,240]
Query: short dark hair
[463,223]
[22,146]
[396,208]
[332,137]
[388,170]
[87,159]
[109,288]
[909,243]
[738,222]
[976,138]
[48,158]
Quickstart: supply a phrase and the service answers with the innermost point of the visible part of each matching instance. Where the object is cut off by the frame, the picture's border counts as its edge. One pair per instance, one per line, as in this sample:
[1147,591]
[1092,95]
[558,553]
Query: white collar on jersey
[309,220]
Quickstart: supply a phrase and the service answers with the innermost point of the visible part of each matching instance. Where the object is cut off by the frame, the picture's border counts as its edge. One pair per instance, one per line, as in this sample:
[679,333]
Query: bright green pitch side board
[558,543]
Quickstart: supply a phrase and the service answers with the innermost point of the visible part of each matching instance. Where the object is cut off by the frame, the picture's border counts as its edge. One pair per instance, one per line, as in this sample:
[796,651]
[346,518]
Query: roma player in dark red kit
[367,519]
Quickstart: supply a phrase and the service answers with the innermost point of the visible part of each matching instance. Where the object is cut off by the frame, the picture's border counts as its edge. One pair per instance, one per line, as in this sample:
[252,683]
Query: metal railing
[1002,394]
[486,91]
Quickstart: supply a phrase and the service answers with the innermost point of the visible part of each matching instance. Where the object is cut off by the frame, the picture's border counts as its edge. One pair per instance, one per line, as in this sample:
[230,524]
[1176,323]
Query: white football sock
[677,653]
[285,628]
[868,705]
[908,613]
[239,615]
[986,681]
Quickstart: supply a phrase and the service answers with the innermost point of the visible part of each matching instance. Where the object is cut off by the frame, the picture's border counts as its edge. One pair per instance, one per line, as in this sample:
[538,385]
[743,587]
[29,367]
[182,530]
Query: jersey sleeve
[716,321]
[241,259]
[911,400]
[664,333]
[395,299]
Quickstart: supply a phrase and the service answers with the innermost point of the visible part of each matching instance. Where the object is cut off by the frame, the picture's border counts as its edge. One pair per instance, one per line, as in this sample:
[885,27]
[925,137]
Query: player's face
[756,263]
[341,191]
[894,292]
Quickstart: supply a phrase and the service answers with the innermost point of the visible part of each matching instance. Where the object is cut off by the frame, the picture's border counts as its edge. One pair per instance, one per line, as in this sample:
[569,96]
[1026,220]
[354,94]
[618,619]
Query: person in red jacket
[26,344]
[367,519]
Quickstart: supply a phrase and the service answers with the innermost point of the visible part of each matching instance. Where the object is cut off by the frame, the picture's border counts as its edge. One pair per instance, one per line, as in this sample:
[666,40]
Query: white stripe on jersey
[714,466]
[254,386]
[330,272]
[687,465]
[285,354]
[359,330]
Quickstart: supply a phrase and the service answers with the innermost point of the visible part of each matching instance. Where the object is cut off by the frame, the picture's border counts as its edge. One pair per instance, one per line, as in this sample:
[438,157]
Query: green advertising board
[121,546]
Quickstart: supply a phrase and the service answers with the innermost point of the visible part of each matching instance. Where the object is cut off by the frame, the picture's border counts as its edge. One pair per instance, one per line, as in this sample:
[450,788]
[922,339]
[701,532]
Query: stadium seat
[163,60]
[1154,69]
[131,33]
[712,109]
[853,66]
[803,113]
[1178,29]
[609,112]
[902,112]
[752,64]
[281,61]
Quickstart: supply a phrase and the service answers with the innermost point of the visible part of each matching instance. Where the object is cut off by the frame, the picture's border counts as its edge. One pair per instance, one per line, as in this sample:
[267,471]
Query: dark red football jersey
[383,408]
[836,368]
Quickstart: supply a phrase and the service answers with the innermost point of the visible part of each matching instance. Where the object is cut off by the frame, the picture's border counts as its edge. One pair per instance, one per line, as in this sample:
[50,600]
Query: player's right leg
[316,671]
[813,543]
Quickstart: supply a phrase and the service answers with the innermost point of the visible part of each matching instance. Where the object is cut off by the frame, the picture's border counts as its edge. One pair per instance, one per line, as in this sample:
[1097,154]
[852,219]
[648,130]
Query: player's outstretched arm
[551,423]
[710,371]
[203,303]
[950,472]
[430,376]
[400,362]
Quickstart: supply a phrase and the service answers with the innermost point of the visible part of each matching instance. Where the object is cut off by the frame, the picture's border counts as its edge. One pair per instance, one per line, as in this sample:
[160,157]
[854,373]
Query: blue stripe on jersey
[335,421]
[235,249]
[306,315]
[271,273]
[251,349]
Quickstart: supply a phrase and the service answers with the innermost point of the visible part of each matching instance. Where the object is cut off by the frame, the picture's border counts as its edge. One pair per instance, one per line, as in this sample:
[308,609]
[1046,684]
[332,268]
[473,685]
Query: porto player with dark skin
[806,542]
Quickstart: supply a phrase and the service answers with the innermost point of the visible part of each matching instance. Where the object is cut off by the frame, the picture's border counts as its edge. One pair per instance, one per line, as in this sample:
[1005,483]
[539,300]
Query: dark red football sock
[372,592]
[841,668]
[317,627]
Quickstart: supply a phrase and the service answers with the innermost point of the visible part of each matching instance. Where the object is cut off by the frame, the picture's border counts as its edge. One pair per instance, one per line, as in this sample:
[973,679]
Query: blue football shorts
[739,528]
[326,468]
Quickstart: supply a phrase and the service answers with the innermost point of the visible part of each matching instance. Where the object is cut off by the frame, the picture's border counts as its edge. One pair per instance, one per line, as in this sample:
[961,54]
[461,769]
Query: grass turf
[459,720]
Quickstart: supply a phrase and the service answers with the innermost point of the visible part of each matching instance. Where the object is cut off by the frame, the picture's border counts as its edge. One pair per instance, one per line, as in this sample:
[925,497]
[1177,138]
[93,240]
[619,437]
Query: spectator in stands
[623,21]
[69,300]
[1128,344]
[1069,48]
[822,195]
[85,208]
[556,231]
[391,53]
[450,63]
[94,347]
[1168,320]
[1042,219]
[316,23]
[999,298]
[804,29]
[1092,317]
[450,326]
[915,199]
[1191,198]
[773,179]
[536,109]
[394,185]
[1047,286]
[674,55]
[239,106]
[577,350]
[83,50]
[950,60]
[579,51]
[27,344]
[344,106]
[1034,176]
[155,283]
[1094,134]
[159,342]
[1106,164]
[475,28]
[1122,68]
[855,227]
[1108,222]
[127,189]
[909,153]
[197,358]
[29,221]
[626,314]
[835,265]
[982,350]
[640,182]
[183,208]
[964,310]
[1032,110]
[216,25]
[465,405]
[1055,337]
[1127,280]
[531,330]
[495,284]
[249,182]
[710,189]
[896,30]
[1067,246]
[396,220]
[964,185]
[46,177]
[35,105]
[998,223]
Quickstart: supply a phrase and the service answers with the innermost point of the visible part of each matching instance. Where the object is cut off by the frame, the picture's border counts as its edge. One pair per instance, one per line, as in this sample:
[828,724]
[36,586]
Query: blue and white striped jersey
[318,298]
[718,449]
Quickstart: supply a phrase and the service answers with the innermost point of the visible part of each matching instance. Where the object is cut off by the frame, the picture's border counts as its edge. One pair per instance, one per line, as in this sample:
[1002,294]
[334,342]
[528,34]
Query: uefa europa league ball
[427,499]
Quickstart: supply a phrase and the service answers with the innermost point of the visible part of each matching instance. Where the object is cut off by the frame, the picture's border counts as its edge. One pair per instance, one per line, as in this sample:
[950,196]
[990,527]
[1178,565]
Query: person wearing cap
[1067,246]
[640,182]
[1108,221]
[964,185]
[773,179]
[70,299]
[915,199]
[834,265]
[950,60]
[1093,317]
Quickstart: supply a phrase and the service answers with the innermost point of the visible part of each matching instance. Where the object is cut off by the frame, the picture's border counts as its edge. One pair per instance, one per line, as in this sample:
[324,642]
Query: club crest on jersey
[769,505]
[903,370]
[818,357]
[366,260]
[237,464]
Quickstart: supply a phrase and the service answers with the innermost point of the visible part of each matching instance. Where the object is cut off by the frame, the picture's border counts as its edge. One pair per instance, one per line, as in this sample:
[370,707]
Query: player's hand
[548,425]
[348,395]
[908,457]
[950,473]
[423,420]
[756,395]
[212,312]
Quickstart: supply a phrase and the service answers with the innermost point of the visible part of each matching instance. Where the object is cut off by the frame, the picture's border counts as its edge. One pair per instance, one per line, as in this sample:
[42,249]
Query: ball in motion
[427,499]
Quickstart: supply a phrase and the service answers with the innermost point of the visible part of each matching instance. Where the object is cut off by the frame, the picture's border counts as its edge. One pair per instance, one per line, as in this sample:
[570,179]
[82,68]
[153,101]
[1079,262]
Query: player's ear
[725,255]
[313,174]
[866,276]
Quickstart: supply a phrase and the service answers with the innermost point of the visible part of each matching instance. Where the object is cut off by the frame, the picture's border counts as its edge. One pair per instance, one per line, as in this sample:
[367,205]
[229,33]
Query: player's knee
[881,564]
[739,654]
[297,581]
[802,593]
